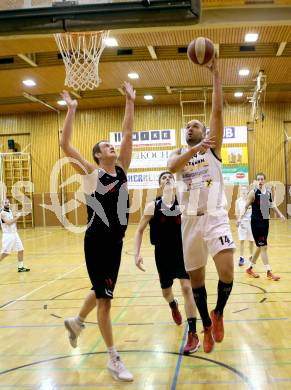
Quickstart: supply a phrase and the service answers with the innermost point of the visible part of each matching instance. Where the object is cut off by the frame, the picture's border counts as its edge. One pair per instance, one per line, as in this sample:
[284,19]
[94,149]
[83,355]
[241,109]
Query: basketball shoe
[118,370]
[74,327]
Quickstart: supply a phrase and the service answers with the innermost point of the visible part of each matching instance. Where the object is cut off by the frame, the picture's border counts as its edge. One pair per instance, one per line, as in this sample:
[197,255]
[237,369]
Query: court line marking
[50,282]
[40,287]
[178,365]
[243,377]
[114,321]
[93,324]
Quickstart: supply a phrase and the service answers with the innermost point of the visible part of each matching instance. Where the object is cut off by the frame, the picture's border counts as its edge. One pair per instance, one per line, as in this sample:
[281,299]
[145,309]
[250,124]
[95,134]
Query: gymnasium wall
[38,133]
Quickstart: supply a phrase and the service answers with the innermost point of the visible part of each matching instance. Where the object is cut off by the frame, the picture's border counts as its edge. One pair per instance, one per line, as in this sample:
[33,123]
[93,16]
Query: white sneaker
[74,327]
[118,370]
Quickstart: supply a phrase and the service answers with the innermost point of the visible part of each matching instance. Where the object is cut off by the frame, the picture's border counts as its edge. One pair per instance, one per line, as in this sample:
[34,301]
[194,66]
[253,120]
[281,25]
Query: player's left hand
[129,91]
[282,217]
[139,262]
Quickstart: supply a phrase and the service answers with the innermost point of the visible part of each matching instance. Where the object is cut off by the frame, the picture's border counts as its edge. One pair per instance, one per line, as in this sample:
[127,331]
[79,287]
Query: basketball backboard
[49,16]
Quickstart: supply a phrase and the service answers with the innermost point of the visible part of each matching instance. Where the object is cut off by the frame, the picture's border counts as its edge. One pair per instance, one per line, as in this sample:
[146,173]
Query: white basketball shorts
[245,231]
[209,233]
[11,242]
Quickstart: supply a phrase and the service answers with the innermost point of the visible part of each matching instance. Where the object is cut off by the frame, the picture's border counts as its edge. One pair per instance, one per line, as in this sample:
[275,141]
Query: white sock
[20,264]
[112,352]
[80,319]
[251,264]
[268,267]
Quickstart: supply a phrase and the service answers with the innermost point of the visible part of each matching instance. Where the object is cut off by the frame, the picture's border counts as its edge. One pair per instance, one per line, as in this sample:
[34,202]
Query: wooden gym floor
[35,352]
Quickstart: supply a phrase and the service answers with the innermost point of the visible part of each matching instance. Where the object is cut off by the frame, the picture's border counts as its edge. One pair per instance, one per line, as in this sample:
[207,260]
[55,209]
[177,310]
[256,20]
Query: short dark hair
[163,173]
[261,174]
[96,149]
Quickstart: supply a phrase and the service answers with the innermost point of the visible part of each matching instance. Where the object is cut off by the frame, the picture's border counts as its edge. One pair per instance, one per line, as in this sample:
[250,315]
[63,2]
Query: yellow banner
[234,155]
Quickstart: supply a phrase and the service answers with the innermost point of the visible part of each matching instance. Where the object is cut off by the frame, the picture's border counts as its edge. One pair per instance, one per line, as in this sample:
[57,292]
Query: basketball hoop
[81,53]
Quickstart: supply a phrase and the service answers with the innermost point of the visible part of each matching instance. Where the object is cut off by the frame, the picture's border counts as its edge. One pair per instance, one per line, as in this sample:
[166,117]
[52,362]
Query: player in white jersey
[205,223]
[244,225]
[10,238]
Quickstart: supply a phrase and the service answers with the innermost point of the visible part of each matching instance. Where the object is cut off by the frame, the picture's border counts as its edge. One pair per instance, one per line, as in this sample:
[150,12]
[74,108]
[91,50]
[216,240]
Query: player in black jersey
[107,207]
[164,217]
[261,200]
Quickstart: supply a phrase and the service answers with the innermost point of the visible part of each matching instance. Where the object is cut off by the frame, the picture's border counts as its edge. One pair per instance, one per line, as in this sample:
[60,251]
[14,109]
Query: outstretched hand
[71,103]
[129,91]
[206,143]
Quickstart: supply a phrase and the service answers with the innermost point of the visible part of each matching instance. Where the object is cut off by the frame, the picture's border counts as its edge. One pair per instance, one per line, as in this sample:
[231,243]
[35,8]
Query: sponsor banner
[150,159]
[142,180]
[232,135]
[235,175]
[142,139]
[234,156]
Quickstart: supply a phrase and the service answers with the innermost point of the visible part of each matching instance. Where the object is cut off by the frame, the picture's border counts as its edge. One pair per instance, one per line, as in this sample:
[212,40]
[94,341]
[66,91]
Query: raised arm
[147,216]
[125,152]
[178,160]
[84,167]
[216,118]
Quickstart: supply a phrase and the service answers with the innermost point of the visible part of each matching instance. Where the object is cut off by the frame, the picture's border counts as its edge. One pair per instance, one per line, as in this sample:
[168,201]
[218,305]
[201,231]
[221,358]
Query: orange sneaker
[217,326]
[176,314]
[271,276]
[251,273]
[208,341]
[193,343]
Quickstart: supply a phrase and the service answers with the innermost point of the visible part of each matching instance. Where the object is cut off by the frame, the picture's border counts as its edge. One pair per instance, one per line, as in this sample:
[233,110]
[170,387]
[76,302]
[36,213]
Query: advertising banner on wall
[150,159]
[232,135]
[143,180]
[237,175]
[237,155]
[152,138]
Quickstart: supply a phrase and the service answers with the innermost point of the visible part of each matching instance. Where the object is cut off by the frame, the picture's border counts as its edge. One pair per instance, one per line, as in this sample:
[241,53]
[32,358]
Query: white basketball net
[81,54]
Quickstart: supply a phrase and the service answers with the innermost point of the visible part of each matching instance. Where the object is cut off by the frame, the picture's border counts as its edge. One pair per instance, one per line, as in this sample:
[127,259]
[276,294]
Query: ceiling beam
[152,52]
[28,58]
[216,46]
[281,48]
[121,91]
[76,94]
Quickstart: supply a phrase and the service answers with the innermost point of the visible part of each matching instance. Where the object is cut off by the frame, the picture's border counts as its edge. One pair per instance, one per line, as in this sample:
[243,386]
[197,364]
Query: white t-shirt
[240,205]
[200,186]
[8,215]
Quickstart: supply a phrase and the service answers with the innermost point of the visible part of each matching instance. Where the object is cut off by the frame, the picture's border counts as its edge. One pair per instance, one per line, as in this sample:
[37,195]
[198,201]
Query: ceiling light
[251,37]
[238,94]
[111,42]
[244,72]
[133,76]
[29,83]
[62,103]
[148,97]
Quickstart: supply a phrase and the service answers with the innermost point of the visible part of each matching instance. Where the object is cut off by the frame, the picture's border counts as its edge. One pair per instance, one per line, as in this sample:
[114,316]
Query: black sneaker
[23,269]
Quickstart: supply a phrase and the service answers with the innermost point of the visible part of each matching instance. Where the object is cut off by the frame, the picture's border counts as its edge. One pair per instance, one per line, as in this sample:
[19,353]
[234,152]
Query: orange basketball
[201,51]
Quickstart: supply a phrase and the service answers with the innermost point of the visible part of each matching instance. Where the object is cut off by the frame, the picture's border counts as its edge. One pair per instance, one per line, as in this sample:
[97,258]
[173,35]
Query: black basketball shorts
[103,257]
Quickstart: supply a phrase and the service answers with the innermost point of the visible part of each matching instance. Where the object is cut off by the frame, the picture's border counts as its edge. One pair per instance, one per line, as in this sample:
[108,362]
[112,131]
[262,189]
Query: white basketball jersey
[8,228]
[240,205]
[200,187]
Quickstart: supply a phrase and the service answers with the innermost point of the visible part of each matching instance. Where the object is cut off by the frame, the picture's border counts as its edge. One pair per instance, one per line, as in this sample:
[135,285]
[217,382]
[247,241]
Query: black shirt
[165,225]
[262,204]
[108,206]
